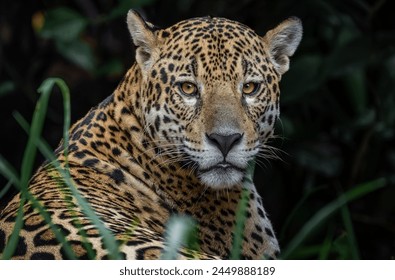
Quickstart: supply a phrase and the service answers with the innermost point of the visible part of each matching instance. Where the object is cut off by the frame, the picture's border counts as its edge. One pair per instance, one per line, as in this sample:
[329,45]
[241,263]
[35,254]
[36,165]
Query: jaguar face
[210,91]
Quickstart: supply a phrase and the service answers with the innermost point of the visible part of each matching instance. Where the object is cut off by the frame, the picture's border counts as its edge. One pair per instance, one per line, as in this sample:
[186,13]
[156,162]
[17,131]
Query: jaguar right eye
[250,88]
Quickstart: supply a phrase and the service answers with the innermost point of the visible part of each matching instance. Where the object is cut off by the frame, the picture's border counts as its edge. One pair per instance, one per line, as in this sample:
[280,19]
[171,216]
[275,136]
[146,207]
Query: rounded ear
[144,39]
[282,42]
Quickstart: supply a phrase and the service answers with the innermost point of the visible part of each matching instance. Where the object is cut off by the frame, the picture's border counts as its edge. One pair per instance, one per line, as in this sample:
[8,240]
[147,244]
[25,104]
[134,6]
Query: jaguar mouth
[222,175]
[222,166]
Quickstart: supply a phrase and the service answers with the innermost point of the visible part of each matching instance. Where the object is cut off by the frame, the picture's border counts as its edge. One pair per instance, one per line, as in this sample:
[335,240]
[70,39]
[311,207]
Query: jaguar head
[210,91]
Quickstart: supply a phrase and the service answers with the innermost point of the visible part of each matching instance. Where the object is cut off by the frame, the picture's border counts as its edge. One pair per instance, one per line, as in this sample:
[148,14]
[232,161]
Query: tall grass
[21,180]
[325,212]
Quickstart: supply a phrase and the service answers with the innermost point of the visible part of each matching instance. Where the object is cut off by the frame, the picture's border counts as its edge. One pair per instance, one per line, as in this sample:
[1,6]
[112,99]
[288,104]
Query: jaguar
[176,137]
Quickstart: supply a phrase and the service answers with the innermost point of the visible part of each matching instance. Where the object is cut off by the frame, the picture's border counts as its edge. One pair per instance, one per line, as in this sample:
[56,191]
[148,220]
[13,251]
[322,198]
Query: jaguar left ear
[282,42]
[144,39]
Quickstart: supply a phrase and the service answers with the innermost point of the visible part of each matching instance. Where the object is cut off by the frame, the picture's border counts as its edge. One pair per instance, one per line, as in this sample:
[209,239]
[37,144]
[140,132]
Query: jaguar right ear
[144,38]
[282,42]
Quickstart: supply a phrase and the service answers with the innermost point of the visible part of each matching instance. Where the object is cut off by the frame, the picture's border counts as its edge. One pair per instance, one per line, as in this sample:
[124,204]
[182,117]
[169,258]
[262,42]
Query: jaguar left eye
[250,88]
[188,89]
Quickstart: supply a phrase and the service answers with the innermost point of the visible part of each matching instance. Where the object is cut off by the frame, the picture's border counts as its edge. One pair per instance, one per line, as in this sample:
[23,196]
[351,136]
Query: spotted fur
[151,150]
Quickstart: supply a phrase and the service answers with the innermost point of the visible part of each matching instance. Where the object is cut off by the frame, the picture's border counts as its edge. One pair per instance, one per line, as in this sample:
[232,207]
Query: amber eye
[250,88]
[188,88]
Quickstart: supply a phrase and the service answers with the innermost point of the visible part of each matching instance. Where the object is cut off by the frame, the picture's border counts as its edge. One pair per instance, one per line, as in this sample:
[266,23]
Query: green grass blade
[66,126]
[13,240]
[107,237]
[329,209]
[26,127]
[238,232]
[5,189]
[26,172]
[55,229]
[295,210]
[43,145]
[241,214]
[34,135]
[180,234]
[27,167]
[9,172]
[35,141]
[45,89]
[352,241]
[326,245]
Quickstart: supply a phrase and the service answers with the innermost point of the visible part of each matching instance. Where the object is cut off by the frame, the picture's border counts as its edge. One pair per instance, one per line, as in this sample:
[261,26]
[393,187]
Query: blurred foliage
[338,99]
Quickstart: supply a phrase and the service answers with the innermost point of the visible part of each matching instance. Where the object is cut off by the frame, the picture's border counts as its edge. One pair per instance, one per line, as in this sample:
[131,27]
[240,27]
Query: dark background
[338,102]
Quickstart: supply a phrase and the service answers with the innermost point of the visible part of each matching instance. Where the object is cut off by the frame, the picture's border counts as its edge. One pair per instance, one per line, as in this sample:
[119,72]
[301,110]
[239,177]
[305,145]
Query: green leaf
[63,24]
[6,87]
[124,6]
[77,52]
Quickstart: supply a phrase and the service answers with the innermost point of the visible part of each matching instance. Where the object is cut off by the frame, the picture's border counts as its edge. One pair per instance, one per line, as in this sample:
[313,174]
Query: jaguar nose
[224,142]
